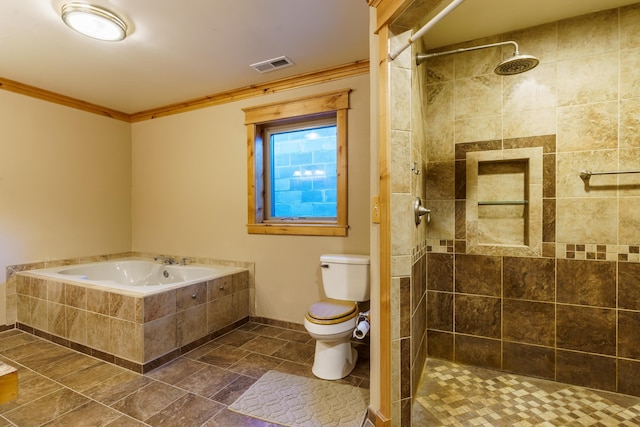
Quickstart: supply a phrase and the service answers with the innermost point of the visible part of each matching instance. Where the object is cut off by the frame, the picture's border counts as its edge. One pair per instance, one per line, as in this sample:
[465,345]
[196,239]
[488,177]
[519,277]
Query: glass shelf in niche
[502,202]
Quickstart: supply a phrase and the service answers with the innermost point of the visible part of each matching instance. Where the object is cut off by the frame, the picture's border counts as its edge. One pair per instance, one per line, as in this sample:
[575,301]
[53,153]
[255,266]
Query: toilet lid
[331,311]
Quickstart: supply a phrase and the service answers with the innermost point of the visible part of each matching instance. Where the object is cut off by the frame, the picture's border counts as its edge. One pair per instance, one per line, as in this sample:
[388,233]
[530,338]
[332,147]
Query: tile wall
[570,313]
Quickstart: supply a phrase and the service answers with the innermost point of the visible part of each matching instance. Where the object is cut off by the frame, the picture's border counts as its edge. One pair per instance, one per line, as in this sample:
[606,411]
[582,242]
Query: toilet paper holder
[362,325]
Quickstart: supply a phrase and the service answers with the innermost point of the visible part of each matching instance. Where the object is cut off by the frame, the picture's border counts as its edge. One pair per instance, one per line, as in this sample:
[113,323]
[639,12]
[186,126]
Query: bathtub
[136,313]
[137,276]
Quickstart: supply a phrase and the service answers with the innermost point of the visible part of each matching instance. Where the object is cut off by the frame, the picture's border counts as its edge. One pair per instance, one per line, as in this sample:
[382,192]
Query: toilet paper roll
[361,330]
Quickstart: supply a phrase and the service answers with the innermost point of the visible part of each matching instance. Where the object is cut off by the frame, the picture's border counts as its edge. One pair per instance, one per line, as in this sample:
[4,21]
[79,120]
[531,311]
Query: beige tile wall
[586,91]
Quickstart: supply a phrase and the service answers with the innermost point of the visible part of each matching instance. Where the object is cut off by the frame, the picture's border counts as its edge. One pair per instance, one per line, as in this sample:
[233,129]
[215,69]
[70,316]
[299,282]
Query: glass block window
[302,172]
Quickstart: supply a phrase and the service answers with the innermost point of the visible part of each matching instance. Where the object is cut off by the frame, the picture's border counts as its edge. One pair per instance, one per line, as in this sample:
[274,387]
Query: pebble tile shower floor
[61,387]
[455,395]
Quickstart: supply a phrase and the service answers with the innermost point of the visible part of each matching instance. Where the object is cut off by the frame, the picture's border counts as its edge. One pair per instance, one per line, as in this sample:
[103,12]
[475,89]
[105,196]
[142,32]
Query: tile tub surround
[136,332]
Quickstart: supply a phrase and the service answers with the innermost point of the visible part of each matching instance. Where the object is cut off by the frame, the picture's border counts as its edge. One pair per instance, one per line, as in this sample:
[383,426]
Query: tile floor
[61,387]
[455,395]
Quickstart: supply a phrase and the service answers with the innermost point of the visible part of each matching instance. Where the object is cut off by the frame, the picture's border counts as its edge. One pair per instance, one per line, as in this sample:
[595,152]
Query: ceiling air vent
[272,64]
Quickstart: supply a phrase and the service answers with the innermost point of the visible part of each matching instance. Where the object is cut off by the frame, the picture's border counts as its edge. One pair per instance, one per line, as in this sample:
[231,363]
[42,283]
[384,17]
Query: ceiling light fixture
[94,21]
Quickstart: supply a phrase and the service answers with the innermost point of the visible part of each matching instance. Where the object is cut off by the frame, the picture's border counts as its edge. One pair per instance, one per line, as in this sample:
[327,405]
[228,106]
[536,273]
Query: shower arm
[421,57]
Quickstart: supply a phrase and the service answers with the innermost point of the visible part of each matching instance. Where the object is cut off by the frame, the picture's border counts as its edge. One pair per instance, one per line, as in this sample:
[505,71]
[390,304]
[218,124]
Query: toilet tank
[345,277]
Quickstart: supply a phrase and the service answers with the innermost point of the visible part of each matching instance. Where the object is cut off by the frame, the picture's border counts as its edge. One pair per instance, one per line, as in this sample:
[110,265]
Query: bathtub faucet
[165,259]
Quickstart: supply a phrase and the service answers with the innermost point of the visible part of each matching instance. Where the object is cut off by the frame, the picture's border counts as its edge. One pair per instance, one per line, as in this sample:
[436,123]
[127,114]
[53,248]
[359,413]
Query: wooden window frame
[297,109]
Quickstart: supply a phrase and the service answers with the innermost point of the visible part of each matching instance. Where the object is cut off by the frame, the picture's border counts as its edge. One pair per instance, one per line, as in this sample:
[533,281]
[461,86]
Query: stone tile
[123,306]
[629,334]
[84,379]
[302,370]
[76,296]
[227,418]
[530,360]
[160,336]
[42,356]
[233,391]
[587,35]
[148,400]
[477,351]
[203,349]
[529,322]
[223,356]
[586,283]
[189,410]
[440,272]
[629,377]
[125,421]
[263,345]
[630,122]
[191,324]
[478,315]
[295,352]
[480,275]
[30,390]
[91,413]
[440,311]
[629,286]
[191,296]
[176,371]
[629,221]
[207,381]
[97,301]
[587,220]
[588,329]
[125,340]
[72,363]
[440,344]
[46,408]
[579,79]
[588,127]
[115,388]
[159,305]
[299,337]
[587,370]
[487,87]
[236,338]
[529,278]
[255,365]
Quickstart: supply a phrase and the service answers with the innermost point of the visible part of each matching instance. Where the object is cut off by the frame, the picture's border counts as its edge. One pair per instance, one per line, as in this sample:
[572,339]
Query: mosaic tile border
[579,251]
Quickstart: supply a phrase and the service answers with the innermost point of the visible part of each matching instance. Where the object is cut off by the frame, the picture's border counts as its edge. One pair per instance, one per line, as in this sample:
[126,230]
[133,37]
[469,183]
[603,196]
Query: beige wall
[64,185]
[189,198]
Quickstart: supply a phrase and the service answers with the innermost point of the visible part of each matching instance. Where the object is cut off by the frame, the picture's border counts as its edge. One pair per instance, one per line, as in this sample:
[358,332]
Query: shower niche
[504,202]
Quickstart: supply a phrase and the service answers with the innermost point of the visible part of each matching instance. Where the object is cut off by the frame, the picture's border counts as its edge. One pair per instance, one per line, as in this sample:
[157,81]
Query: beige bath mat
[296,401]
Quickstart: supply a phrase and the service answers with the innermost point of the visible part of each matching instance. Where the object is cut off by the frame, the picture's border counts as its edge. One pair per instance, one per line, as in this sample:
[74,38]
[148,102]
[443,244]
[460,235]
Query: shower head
[515,65]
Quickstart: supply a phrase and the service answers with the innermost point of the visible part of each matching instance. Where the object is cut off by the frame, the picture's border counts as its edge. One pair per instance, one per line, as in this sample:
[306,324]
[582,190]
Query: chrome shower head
[516,64]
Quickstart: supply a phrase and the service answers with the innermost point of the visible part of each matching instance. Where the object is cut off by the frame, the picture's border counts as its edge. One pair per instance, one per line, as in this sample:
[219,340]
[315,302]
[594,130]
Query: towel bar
[586,174]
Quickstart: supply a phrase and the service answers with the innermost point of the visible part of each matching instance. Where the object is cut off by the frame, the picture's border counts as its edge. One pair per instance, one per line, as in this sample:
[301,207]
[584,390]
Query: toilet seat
[331,312]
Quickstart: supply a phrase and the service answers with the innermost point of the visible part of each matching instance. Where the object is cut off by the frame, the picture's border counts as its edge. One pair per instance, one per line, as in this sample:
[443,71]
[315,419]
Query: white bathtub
[135,275]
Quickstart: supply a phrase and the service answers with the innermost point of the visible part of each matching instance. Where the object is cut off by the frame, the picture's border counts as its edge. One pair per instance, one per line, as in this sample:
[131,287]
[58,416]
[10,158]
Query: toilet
[331,321]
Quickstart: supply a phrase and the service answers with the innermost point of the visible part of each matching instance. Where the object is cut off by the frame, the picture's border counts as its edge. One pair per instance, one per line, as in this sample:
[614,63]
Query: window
[297,166]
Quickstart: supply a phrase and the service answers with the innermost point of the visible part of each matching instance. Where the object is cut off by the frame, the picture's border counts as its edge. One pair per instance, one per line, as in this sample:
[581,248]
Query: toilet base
[334,359]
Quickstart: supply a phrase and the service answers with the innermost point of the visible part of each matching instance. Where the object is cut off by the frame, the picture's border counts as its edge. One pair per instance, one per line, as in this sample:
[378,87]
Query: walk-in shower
[516,64]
